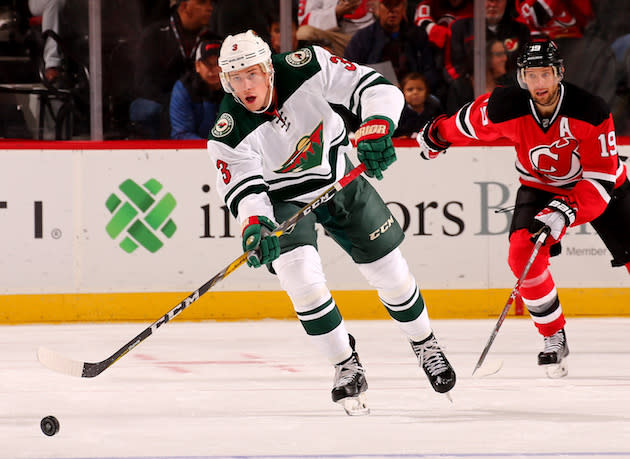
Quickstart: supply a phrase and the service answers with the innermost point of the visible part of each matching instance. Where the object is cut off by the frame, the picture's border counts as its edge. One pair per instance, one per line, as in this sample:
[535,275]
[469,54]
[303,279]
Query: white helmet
[241,51]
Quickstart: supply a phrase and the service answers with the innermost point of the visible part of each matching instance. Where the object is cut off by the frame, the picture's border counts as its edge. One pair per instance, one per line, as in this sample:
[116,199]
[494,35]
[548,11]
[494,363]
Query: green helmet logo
[141,216]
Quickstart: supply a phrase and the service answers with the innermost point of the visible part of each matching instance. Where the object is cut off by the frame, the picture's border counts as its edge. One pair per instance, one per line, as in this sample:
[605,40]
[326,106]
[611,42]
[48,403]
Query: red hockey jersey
[573,153]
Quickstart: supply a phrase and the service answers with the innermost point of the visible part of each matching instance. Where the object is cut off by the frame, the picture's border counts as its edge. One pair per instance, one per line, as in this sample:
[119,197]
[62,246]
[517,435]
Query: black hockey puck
[49,425]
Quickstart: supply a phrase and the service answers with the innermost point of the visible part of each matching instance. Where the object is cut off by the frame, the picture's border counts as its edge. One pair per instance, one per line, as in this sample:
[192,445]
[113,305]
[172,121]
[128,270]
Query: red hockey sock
[552,327]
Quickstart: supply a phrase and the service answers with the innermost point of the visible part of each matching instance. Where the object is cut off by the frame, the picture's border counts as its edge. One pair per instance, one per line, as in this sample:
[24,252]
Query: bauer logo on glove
[558,215]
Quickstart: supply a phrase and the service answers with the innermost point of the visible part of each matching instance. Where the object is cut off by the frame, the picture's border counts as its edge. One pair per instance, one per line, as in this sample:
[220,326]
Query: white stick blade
[488,368]
[57,362]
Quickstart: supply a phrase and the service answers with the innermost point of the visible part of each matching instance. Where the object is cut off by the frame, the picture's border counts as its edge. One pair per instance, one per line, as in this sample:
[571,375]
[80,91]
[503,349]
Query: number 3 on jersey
[223,169]
[610,148]
[347,64]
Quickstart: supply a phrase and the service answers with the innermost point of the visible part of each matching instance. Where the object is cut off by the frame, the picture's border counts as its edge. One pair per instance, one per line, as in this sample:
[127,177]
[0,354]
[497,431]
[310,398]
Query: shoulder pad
[508,103]
[584,106]
[292,69]
[234,122]
[301,58]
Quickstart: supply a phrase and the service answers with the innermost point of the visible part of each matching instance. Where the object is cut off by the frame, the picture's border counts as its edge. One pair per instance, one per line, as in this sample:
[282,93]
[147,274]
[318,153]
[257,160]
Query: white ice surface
[260,389]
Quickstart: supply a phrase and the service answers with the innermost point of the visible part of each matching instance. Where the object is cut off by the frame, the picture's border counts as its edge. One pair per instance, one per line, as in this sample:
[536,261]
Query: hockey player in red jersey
[569,172]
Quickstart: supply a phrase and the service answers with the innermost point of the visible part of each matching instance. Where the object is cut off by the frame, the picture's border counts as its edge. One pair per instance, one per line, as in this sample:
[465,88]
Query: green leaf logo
[141,216]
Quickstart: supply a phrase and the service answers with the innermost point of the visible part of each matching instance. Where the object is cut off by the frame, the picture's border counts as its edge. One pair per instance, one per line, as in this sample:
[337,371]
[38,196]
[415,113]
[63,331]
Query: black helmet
[539,53]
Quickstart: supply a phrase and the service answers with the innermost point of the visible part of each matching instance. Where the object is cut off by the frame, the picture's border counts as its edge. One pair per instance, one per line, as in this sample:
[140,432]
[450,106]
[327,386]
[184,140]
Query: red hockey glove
[558,216]
[423,18]
[374,145]
[258,237]
[430,144]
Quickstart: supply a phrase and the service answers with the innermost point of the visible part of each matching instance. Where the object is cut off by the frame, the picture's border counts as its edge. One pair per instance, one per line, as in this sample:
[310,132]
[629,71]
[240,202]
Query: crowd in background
[161,76]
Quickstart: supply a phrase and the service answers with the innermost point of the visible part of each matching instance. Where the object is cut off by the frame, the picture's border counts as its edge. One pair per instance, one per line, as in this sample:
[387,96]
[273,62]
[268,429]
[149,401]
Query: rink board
[125,230]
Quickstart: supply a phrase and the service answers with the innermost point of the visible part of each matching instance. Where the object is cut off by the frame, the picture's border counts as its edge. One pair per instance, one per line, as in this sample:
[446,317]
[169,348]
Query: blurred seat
[63,104]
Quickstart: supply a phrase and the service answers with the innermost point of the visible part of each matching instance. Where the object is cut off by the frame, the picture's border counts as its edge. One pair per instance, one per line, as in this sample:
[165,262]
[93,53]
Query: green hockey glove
[374,145]
[258,237]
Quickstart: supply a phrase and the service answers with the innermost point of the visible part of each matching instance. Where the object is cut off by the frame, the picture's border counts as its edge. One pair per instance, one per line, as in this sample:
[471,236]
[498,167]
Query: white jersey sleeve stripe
[463,122]
[600,189]
[599,176]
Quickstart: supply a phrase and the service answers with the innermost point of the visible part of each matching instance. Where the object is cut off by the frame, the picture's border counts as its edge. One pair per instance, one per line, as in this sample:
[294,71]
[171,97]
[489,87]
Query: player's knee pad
[521,248]
[390,276]
[301,275]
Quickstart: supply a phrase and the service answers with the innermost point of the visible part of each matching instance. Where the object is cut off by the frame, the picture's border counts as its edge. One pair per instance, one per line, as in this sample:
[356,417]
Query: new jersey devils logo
[558,161]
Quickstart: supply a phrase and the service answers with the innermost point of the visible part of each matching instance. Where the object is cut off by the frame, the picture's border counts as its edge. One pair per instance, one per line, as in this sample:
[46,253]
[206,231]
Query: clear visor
[253,76]
[525,75]
[242,80]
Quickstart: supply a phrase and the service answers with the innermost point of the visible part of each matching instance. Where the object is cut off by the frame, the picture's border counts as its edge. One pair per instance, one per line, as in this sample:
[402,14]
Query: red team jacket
[574,153]
[555,18]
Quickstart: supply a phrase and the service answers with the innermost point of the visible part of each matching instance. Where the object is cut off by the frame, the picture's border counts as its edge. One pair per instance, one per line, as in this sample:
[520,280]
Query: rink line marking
[252,359]
[567,455]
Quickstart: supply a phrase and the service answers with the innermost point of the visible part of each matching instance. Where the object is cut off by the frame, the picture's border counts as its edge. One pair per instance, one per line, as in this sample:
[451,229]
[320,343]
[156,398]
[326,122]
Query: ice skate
[553,357]
[434,363]
[350,384]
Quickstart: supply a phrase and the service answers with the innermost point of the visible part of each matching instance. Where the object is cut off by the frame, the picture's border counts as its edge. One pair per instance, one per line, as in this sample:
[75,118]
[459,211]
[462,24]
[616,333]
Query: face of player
[209,70]
[252,86]
[415,92]
[543,85]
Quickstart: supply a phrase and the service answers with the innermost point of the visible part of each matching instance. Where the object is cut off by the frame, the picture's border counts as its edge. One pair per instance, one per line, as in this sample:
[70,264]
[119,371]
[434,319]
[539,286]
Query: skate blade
[488,368]
[355,406]
[557,370]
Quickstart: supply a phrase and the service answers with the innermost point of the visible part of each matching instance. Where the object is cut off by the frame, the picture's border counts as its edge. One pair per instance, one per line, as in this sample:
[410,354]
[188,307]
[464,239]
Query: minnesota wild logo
[307,154]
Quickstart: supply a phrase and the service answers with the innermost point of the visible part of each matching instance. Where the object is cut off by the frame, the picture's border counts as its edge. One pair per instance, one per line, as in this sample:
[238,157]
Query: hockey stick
[61,364]
[540,240]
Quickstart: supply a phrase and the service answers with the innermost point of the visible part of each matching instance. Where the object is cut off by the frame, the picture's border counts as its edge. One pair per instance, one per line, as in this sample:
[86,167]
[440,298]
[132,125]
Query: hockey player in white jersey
[277,144]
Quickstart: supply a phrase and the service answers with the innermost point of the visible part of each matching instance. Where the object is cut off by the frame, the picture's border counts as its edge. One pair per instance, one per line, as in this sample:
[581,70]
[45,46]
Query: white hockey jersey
[296,149]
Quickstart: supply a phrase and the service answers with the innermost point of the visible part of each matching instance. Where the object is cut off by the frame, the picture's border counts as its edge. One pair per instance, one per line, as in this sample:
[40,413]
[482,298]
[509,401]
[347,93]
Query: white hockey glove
[558,216]
[430,144]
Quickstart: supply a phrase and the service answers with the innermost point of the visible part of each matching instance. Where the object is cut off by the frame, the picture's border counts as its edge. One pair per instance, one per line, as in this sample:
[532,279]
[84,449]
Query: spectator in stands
[335,21]
[165,54]
[274,33]
[461,91]
[392,39]
[555,18]
[611,19]
[420,105]
[196,96]
[500,25]
[436,18]
[50,11]
[231,17]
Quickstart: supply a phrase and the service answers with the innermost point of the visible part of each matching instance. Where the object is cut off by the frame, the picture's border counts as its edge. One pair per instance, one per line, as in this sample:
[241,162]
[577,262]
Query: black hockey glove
[374,145]
[558,215]
[258,236]
[430,144]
